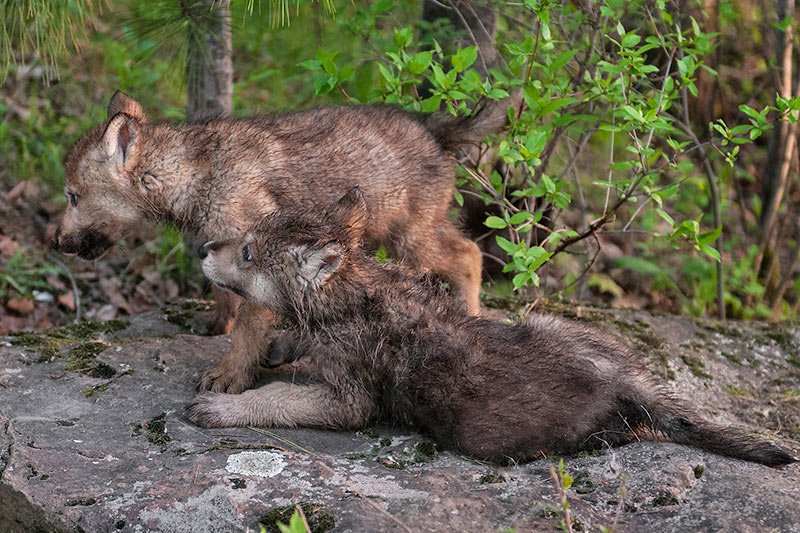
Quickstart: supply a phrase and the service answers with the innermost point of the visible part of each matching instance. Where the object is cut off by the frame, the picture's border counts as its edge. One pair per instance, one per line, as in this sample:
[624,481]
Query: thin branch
[76,294]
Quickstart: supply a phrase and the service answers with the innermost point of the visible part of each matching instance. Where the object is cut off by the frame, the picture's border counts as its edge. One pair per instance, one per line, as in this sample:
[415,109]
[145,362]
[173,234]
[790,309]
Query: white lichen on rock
[258,463]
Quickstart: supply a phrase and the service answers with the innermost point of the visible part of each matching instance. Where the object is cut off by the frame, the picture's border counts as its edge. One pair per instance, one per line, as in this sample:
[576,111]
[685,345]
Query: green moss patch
[182,314]
[739,392]
[82,358]
[319,519]
[83,502]
[490,478]
[49,343]
[583,483]
[699,470]
[732,357]
[87,329]
[696,366]
[155,431]
[422,452]
[47,347]
[665,499]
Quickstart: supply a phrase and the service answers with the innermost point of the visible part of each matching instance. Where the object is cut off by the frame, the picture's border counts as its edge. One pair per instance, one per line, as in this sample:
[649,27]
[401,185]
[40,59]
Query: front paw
[211,410]
[229,379]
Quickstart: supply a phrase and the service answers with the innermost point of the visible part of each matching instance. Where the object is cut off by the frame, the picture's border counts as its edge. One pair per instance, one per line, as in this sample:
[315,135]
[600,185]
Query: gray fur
[380,342]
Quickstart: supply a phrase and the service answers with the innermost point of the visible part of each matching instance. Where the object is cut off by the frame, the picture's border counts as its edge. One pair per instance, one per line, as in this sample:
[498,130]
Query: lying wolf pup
[216,179]
[379,341]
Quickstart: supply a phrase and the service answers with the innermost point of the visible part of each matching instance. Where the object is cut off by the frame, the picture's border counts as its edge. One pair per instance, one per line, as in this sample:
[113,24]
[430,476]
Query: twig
[75,293]
[281,439]
[472,36]
[382,511]
[563,497]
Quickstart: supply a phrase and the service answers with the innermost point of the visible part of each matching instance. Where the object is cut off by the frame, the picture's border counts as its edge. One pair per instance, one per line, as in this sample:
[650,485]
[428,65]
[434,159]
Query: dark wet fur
[385,344]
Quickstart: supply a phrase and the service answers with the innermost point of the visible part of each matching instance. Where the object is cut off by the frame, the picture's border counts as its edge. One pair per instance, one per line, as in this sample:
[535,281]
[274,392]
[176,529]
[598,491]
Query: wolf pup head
[100,182]
[288,258]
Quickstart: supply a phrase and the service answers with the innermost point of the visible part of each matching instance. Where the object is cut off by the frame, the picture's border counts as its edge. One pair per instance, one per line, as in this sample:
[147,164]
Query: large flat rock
[93,437]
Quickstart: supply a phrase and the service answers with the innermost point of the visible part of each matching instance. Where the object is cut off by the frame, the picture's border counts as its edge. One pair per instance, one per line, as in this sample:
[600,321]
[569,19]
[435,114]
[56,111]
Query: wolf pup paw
[224,378]
[211,410]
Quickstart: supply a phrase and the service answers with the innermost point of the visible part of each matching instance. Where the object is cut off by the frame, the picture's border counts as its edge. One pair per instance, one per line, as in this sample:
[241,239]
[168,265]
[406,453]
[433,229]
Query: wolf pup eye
[73,199]
[246,254]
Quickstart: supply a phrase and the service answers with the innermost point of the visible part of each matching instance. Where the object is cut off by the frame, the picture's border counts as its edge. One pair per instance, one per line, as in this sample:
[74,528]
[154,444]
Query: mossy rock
[48,343]
[318,518]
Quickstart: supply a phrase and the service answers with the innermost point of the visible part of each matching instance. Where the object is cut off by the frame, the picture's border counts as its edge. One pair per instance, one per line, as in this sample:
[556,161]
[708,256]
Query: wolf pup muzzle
[88,245]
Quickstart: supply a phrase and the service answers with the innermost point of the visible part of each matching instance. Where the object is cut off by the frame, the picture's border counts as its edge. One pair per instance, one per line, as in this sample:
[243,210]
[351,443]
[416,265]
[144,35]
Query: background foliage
[652,165]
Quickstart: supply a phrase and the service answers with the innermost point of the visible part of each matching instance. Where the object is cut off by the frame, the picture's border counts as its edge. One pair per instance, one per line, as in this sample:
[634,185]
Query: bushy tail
[453,132]
[684,426]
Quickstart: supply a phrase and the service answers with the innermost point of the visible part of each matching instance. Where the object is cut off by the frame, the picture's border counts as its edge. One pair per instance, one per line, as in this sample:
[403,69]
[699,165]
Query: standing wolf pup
[217,178]
[378,341]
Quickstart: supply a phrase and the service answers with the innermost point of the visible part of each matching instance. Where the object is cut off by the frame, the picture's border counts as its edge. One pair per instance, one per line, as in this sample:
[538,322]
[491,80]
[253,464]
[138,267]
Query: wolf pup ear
[122,141]
[351,214]
[122,103]
[317,265]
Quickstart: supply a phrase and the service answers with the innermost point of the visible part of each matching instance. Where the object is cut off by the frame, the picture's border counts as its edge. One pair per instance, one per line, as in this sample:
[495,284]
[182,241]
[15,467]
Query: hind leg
[445,251]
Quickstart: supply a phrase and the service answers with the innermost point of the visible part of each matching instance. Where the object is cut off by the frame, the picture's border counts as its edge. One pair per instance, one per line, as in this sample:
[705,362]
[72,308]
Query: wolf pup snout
[54,241]
[211,246]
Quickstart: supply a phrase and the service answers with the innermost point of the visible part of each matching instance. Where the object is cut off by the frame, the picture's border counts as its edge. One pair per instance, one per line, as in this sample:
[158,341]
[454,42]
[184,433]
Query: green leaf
[464,58]
[439,77]
[420,62]
[432,104]
[709,236]
[536,141]
[749,111]
[711,252]
[296,525]
[495,222]
[387,75]
[639,264]
[403,37]
[458,196]
[507,246]
[561,61]
[548,183]
[310,64]
[519,218]
[664,215]
[633,113]
[630,40]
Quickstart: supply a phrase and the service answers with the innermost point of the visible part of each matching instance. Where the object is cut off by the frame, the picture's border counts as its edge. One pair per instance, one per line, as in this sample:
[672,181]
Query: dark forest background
[654,164]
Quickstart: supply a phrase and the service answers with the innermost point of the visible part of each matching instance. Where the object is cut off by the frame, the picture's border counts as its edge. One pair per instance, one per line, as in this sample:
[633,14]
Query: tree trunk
[209,68]
[209,88]
[782,151]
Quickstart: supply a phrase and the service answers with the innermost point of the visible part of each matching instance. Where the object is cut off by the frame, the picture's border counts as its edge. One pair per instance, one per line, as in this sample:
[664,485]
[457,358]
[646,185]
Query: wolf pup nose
[202,251]
[54,242]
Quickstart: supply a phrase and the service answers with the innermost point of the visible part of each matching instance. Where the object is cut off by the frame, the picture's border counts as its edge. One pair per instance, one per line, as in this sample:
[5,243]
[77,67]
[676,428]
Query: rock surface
[93,438]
